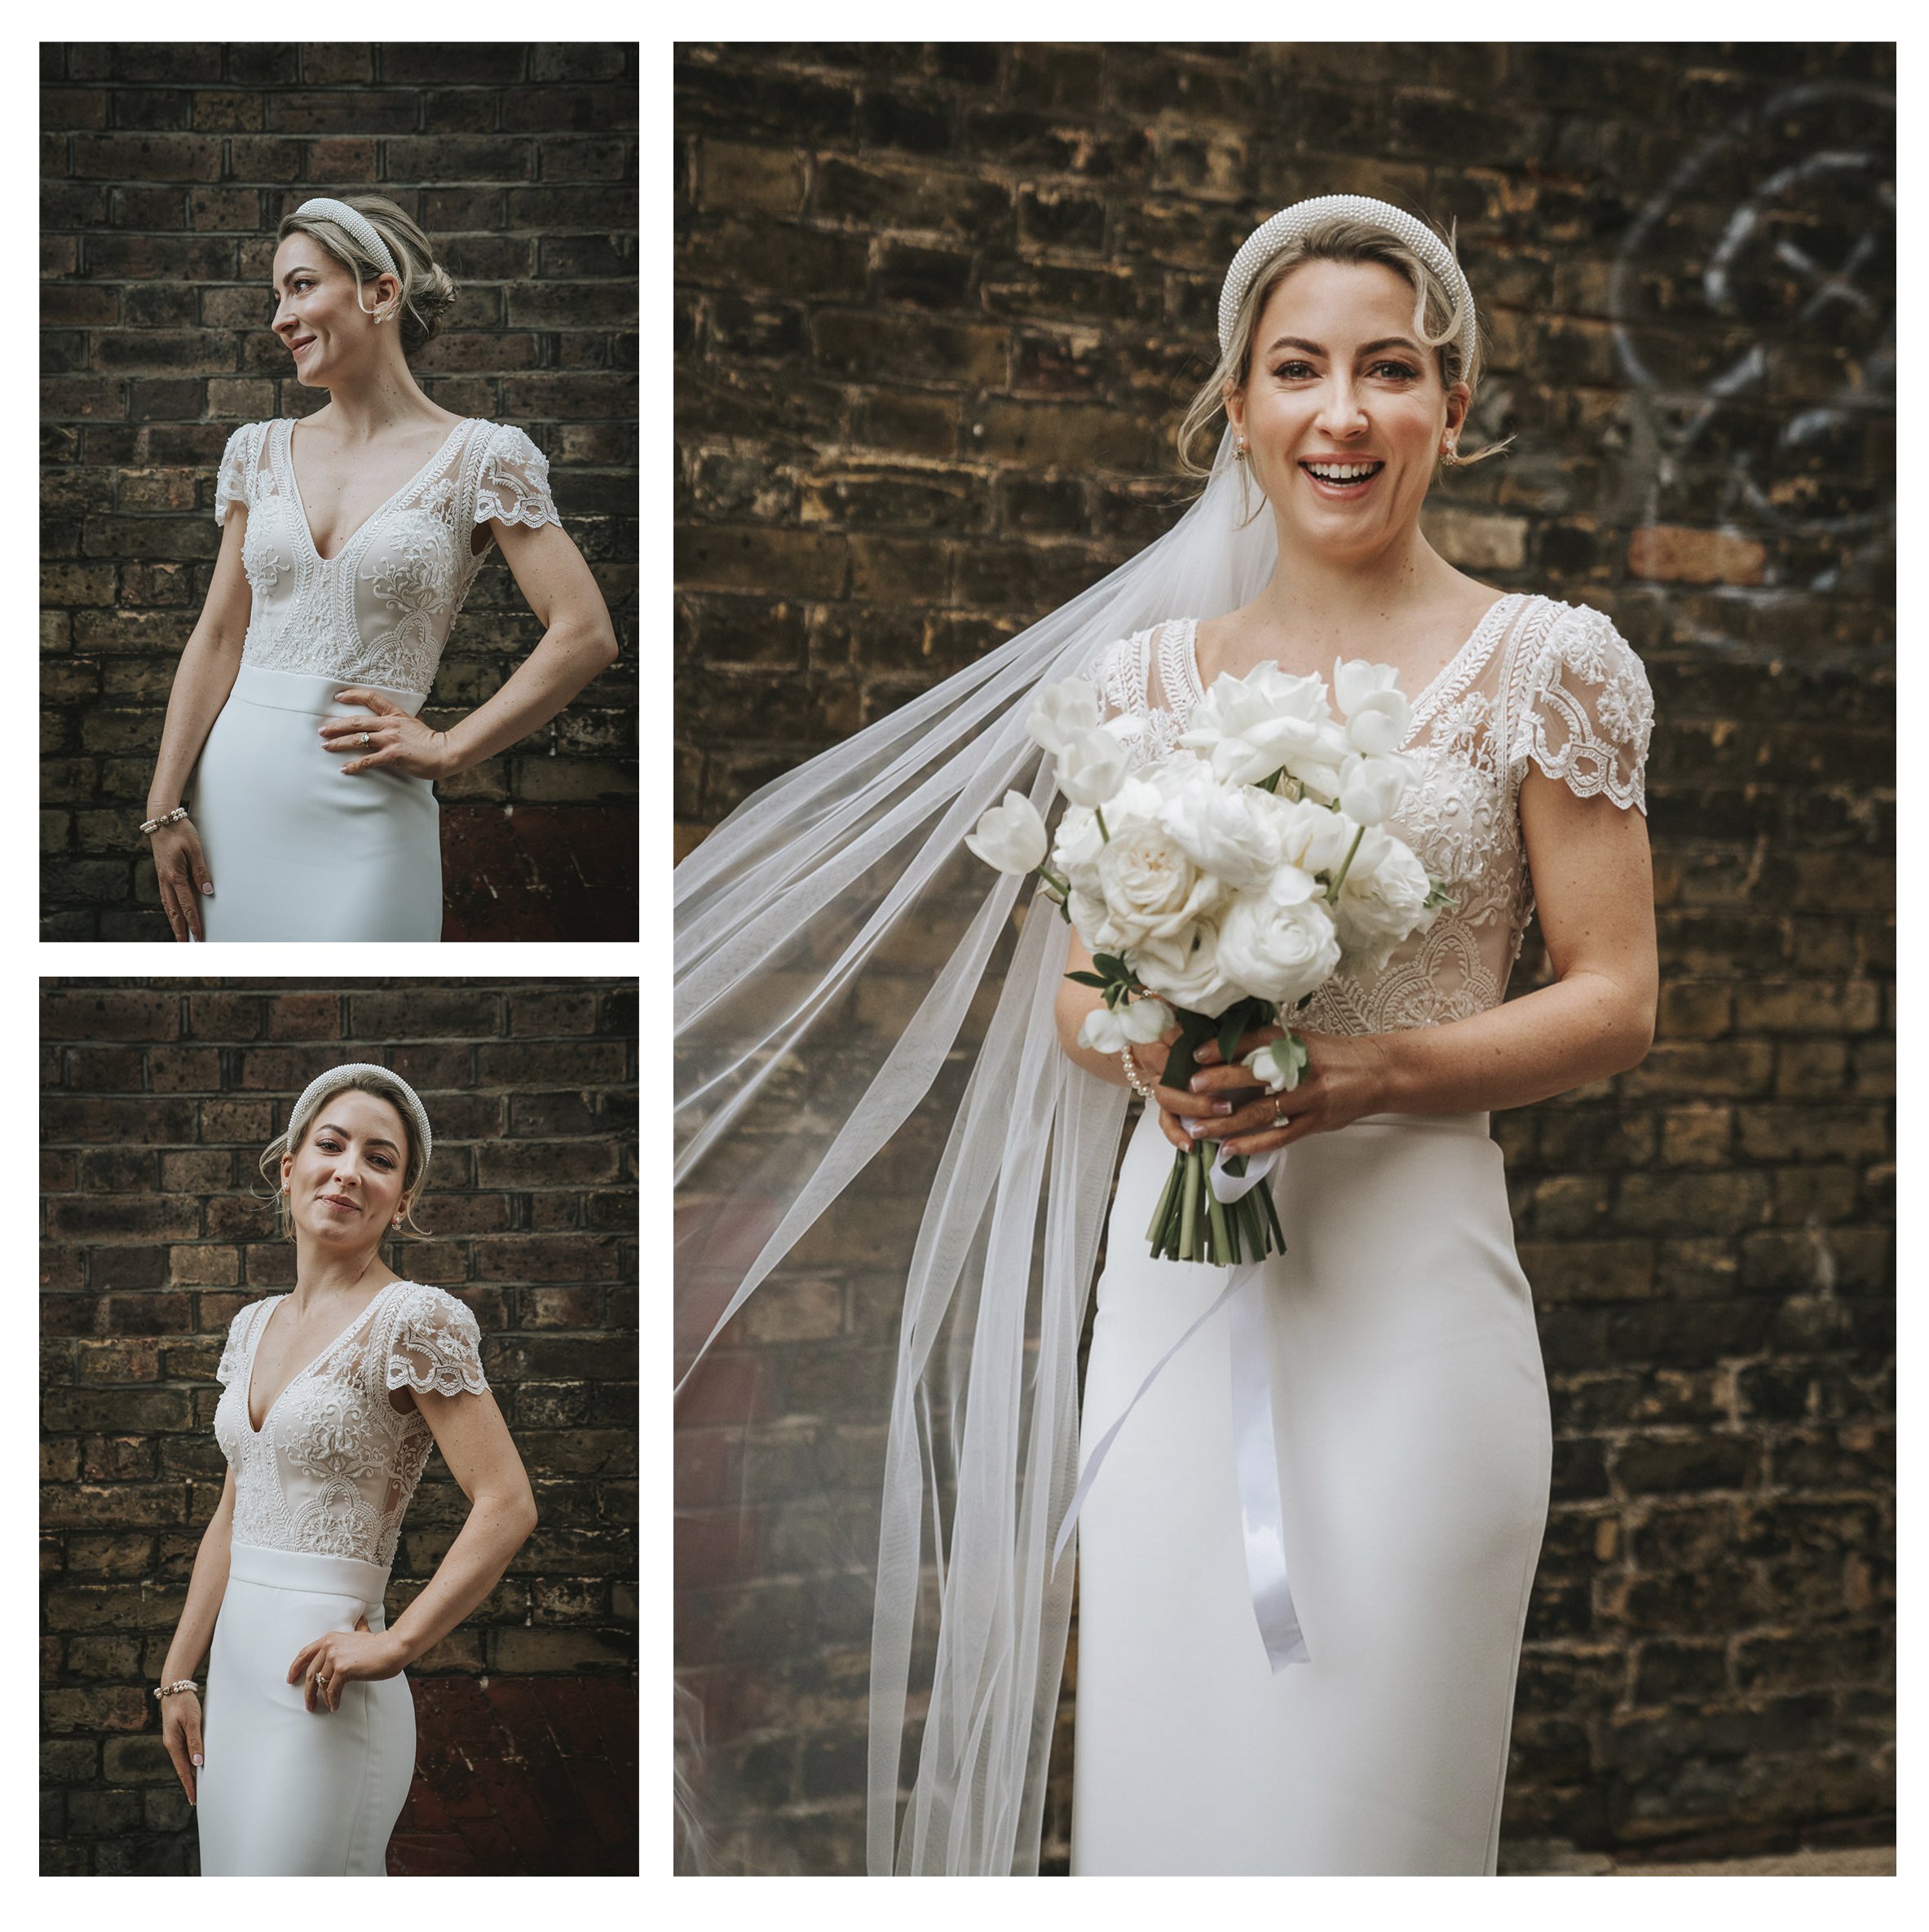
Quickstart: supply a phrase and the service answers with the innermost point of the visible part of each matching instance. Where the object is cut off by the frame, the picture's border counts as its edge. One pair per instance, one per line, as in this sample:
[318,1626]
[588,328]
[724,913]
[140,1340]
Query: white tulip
[1279,1063]
[1144,1021]
[1314,838]
[1010,837]
[1383,902]
[1377,713]
[1370,789]
[1093,766]
[1103,1031]
[1078,845]
[1062,712]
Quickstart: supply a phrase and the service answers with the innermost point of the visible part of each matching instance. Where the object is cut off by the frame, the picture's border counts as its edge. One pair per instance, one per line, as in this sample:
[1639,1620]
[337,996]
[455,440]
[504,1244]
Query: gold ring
[1279,1108]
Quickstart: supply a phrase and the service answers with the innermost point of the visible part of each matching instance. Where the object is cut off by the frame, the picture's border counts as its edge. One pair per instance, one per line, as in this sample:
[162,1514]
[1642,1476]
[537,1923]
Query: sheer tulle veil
[864,1026]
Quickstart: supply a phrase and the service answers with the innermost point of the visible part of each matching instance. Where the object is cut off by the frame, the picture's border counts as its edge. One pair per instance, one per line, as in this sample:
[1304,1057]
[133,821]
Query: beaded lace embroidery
[379,611]
[334,1464]
[1538,681]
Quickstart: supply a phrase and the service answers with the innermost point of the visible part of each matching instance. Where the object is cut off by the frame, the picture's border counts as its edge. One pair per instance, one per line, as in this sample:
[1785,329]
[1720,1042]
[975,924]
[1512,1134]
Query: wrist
[401,1646]
[455,756]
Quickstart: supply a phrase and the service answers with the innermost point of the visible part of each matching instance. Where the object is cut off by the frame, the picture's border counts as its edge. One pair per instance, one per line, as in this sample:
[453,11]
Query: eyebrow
[1386,341]
[329,1126]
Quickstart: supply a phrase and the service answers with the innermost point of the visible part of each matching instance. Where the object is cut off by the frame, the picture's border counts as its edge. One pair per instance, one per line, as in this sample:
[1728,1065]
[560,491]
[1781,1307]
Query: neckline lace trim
[260,1332]
[368,522]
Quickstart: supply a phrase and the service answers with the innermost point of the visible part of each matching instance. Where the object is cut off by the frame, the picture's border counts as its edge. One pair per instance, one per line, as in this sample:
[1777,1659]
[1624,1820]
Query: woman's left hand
[396,741]
[1346,1076]
[340,1657]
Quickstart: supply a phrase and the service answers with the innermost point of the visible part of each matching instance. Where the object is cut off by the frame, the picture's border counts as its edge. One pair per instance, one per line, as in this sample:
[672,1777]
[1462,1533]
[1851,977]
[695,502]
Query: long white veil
[892,1185]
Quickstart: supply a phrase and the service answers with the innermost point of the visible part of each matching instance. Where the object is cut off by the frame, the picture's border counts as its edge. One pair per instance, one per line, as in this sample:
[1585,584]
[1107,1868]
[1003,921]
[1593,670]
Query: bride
[293,796]
[1395,1348]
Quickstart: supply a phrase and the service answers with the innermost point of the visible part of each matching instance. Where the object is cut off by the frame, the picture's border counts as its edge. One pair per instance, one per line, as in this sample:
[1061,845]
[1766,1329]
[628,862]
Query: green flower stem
[1340,878]
[1100,817]
[1165,1201]
[1222,1238]
[1052,878]
[1189,1219]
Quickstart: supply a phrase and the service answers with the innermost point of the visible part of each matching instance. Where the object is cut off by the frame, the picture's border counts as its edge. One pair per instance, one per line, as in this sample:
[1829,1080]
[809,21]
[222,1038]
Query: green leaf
[1111,966]
[1087,979]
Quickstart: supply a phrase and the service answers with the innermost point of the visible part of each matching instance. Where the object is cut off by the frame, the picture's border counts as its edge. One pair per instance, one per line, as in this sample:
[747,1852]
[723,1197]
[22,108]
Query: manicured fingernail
[1195,1127]
[196,1759]
[1222,1106]
[209,889]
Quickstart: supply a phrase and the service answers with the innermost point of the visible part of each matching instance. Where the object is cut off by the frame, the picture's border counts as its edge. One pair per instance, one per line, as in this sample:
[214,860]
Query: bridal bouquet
[1219,888]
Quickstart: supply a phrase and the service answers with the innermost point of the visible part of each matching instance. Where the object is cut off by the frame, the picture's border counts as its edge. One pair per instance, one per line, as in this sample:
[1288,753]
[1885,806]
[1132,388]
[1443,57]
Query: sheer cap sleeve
[231,481]
[515,484]
[435,1344]
[1587,711]
[235,1349]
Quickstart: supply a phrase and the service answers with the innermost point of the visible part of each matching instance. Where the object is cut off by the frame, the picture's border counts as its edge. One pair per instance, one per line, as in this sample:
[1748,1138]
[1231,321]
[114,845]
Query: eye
[1399,368]
[1284,367]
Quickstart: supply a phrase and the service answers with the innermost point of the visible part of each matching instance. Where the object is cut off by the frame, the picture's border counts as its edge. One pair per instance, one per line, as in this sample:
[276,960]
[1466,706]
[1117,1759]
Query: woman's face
[316,314]
[344,1182]
[1337,374]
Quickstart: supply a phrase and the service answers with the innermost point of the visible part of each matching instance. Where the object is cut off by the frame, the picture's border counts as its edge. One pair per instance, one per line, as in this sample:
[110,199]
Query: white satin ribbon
[1261,1511]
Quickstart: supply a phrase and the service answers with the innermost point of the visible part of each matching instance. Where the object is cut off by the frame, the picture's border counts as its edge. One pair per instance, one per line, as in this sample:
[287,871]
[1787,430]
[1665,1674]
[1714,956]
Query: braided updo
[427,293]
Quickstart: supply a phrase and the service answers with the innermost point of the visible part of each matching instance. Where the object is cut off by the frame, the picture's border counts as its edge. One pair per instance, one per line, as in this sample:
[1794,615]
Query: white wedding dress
[320,1491]
[1409,1405]
[296,850]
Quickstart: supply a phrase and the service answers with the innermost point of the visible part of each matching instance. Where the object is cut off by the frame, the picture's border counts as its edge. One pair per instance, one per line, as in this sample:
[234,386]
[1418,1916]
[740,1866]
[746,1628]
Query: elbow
[1638,1034]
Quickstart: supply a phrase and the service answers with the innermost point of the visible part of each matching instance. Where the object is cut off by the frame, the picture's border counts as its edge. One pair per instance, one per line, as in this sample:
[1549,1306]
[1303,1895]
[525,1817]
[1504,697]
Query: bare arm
[578,641]
[206,1587]
[474,1441]
[206,673]
[180,1714]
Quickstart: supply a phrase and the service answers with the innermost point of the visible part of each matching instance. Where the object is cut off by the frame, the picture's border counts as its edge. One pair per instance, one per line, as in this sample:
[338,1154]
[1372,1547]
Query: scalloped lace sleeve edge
[1588,763]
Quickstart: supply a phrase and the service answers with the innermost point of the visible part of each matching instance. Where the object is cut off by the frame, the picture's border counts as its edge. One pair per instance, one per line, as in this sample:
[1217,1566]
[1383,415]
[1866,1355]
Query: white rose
[1185,969]
[1102,1030]
[1378,716]
[1146,1020]
[1087,911]
[1152,890]
[1252,726]
[1229,831]
[1010,837]
[1277,952]
[1093,766]
[1370,789]
[1062,712]
[1383,900]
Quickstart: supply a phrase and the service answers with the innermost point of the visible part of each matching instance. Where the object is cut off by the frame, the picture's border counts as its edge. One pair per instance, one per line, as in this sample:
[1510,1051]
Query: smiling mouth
[337,1201]
[306,343]
[1343,490]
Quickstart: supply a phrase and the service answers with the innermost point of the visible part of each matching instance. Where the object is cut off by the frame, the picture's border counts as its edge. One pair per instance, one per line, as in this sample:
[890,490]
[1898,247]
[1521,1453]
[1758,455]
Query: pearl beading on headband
[337,1077]
[356,223]
[1264,242]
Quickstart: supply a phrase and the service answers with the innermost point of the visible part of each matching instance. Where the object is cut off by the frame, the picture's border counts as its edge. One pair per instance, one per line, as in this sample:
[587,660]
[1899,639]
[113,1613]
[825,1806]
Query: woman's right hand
[183,874]
[180,1731]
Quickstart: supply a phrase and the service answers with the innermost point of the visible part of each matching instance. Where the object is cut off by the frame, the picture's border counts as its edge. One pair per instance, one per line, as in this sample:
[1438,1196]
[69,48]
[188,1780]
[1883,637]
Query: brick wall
[165,169]
[939,309]
[156,1101]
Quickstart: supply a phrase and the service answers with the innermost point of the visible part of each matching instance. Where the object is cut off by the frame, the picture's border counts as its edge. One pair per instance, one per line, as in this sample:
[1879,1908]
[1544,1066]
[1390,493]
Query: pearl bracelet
[180,811]
[1131,1074]
[186,1683]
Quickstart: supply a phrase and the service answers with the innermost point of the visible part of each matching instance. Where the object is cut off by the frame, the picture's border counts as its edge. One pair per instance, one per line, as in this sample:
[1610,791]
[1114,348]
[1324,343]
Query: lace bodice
[379,611]
[1538,681]
[334,1464]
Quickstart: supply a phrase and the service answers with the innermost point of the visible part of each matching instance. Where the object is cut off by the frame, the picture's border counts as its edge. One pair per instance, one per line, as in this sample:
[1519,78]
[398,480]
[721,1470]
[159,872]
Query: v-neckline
[294,482]
[1417,707]
[334,1343]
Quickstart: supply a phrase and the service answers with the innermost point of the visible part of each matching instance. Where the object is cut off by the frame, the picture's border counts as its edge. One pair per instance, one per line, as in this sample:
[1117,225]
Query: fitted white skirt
[296,850]
[288,1792]
[1415,1449]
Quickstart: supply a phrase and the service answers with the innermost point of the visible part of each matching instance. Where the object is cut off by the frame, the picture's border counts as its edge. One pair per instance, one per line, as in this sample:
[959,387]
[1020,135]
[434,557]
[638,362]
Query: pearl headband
[356,223]
[395,1088]
[1266,241]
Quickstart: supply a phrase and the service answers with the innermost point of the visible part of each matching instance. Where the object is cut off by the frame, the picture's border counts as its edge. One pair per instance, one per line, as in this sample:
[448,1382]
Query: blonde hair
[1436,317]
[427,293]
[414,1165]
